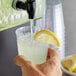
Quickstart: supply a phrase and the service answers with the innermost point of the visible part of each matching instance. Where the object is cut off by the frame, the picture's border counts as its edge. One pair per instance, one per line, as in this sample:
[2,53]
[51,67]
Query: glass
[27,46]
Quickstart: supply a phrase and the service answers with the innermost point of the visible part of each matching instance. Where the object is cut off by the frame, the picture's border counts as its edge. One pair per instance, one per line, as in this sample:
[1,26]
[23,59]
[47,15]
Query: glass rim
[20,28]
[28,27]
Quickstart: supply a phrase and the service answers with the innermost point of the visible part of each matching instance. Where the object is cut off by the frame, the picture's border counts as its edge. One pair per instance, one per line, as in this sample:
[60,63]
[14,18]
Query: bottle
[53,20]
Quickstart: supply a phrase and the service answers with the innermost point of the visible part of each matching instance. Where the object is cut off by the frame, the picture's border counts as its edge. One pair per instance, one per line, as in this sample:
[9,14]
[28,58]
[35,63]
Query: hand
[50,68]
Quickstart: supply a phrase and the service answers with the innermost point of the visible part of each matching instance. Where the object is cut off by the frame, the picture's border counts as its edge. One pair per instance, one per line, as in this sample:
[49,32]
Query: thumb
[53,57]
[52,53]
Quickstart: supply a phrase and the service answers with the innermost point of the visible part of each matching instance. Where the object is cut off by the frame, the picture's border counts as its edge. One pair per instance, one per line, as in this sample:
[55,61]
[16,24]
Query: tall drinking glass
[27,46]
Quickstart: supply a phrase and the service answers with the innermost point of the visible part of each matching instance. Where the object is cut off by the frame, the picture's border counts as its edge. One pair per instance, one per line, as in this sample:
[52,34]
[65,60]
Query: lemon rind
[51,33]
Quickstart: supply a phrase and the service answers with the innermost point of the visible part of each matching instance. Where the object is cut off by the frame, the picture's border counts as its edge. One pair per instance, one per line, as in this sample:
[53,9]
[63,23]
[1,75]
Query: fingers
[52,53]
[28,68]
[21,60]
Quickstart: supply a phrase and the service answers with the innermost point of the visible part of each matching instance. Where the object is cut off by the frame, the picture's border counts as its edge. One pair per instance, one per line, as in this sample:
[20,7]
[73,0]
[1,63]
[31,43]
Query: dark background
[8,50]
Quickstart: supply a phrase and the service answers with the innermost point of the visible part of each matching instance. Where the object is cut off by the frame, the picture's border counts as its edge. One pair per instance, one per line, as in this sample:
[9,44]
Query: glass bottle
[53,20]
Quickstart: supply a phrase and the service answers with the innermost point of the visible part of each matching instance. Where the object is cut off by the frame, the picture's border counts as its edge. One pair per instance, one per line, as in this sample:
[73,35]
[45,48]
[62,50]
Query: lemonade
[31,49]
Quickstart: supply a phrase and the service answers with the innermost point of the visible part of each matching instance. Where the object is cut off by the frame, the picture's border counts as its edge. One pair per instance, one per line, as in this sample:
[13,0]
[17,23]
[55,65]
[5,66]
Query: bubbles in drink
[32,50]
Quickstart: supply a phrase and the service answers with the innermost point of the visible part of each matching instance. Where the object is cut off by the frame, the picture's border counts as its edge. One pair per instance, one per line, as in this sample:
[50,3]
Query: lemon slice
[69,63]
[47,36]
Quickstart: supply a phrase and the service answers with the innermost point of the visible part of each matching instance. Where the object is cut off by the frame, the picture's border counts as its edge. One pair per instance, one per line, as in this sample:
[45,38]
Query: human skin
[49,68]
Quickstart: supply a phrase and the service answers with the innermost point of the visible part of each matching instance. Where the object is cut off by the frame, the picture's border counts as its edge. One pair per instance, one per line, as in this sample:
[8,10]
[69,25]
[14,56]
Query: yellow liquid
[31,49]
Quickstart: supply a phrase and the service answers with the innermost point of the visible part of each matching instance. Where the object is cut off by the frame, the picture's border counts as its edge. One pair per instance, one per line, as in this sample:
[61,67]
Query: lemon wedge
[70,63]
[47,36]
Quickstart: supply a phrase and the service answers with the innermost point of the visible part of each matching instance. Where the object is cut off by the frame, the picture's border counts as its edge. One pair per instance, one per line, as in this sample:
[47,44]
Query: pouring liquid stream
[32,26]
